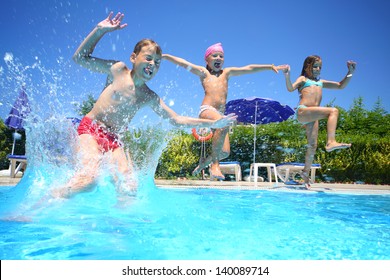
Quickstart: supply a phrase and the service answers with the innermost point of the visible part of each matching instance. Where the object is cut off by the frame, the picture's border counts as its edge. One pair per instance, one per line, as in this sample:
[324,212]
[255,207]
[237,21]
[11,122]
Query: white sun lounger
[288,170]
[15,168]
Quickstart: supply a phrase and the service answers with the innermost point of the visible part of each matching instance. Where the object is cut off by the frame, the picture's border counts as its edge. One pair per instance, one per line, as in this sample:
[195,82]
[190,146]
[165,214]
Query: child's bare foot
[61,193]
[306,179]
[216,174]
[202,165]
[197,170]
[337,146]
[216,177]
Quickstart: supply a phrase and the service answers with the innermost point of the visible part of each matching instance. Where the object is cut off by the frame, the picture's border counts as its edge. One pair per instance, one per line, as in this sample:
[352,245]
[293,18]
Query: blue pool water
[203,224]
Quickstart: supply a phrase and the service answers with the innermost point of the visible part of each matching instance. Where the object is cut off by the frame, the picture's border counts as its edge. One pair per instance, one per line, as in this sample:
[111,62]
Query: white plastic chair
[231,167]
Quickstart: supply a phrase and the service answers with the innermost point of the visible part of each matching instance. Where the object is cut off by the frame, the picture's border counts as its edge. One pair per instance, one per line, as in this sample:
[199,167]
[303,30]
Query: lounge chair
[15,168]
[231,167]
[288,170]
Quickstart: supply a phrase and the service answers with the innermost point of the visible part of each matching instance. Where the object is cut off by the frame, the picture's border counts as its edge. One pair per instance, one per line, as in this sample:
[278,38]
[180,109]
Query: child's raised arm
[195,69]
[345,81]
[290,86]
[161,109]
[83,54]
[251,68]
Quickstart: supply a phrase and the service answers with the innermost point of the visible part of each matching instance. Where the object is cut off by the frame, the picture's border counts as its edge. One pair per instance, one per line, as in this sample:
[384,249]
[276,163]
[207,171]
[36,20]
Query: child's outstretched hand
[275,68]
[351,66]
[285,68]
[111,24]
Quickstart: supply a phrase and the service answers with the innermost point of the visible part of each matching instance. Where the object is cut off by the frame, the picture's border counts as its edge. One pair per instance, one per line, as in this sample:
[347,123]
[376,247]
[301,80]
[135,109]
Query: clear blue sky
[257,31]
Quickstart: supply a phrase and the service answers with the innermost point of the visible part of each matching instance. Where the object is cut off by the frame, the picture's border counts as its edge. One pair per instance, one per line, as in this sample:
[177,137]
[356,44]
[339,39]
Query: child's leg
[126,183]
[90,158]
[220,149]
[331,143]
[311,114]
[315,113]
[220,146]
[217,153]
[312,140]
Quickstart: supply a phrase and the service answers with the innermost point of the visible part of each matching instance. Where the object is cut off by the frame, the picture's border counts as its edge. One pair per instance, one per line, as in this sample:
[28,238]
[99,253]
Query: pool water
[198,224]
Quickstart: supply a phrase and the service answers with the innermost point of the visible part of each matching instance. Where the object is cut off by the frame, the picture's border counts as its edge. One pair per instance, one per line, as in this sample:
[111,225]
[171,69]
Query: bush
[368,160]
[6,142]
[180,157]
[4,145]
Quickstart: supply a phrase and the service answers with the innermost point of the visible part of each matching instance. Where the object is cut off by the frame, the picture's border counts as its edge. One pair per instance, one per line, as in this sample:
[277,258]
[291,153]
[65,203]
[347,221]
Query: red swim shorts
[108,141]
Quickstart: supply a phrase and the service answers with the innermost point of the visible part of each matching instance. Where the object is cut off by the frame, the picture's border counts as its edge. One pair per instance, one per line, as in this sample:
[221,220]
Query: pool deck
[243,185]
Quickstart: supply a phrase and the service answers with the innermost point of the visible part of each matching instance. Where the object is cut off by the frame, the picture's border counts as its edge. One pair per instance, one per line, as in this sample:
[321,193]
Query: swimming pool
[201,224]
[168,224]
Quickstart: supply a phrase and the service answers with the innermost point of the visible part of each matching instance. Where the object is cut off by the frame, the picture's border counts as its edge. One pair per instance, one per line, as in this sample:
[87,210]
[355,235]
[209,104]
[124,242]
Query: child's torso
[119,102]
[311,92]
[216,90]
[310,82]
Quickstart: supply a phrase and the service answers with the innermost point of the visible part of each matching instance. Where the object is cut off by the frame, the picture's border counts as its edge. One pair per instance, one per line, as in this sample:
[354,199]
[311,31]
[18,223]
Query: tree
[5,140]
[355,120]
[378,121]
[86,106]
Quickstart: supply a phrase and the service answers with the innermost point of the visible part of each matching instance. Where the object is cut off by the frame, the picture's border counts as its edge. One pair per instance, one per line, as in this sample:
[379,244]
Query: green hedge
[176,153]
[6,142]
[367,161]
[4,145]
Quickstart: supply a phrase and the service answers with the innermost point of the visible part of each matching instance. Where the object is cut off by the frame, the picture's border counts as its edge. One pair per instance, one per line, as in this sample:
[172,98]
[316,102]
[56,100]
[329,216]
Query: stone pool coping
[243,185]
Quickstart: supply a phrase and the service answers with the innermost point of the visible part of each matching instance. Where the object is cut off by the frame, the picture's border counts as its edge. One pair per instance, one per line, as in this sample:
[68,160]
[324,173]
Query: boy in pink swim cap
[214,80]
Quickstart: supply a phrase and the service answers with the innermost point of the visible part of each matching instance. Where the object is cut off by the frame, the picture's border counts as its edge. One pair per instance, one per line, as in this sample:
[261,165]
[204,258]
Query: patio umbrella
[17,115]
[257,110]
[75,121]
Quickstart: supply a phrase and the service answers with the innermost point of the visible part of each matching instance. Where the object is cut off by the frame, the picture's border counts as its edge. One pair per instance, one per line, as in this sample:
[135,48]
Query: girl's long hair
[307,69]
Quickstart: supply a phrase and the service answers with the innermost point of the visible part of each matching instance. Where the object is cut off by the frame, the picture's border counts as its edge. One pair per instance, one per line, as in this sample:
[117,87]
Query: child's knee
[85,177]
[225,153]
[85,180]
[125,169]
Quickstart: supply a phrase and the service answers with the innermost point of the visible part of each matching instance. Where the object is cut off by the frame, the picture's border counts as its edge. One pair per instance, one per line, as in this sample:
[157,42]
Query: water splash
[52,142]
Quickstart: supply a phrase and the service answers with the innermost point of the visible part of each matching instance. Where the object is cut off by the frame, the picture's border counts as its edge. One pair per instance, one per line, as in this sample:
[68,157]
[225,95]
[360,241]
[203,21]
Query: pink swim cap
[212,49]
